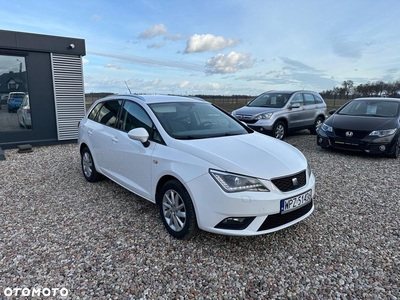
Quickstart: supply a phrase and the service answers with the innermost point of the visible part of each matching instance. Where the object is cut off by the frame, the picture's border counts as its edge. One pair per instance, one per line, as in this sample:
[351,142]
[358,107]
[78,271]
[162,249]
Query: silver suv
[278,112]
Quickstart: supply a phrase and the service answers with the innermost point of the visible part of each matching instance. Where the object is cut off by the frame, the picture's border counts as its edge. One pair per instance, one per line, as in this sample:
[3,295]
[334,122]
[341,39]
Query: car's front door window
[134,116]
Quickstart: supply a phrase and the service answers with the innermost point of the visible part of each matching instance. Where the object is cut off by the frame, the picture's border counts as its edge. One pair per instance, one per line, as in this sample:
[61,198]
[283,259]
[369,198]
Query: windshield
[374,108]
[192,120]
[17,95]
[277,100]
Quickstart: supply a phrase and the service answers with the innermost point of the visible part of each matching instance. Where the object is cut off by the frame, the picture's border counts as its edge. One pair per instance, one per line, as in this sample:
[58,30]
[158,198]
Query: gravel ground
[98,241]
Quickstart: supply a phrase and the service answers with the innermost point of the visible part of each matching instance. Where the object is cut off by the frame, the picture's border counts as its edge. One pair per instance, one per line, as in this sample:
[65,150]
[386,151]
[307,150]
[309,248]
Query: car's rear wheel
[88,167]
[279,130]
[318,122]
[177,211]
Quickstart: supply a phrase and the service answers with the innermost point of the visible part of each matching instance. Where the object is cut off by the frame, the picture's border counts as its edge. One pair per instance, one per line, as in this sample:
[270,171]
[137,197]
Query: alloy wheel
[174,210]
[87,164]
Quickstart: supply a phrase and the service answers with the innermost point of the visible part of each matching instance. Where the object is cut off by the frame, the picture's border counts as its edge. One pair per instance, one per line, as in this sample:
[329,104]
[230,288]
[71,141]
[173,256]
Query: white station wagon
[202,167]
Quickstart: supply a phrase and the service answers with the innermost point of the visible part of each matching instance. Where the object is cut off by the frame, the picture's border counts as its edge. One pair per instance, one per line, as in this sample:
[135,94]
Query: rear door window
[309,99]
[108,113]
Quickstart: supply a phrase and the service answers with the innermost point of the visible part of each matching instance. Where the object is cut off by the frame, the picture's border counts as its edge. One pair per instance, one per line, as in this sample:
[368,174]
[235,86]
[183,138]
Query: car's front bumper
[262,126]
[260,211]
[368,144]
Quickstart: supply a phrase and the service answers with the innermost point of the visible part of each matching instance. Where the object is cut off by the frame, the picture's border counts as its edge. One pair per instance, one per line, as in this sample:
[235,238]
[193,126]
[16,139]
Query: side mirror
[294,105]
[139,134]
[332,111]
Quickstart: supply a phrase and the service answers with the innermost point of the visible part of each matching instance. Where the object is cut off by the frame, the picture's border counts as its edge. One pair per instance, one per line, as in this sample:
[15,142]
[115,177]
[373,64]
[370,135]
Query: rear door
[310,110]
[101,132]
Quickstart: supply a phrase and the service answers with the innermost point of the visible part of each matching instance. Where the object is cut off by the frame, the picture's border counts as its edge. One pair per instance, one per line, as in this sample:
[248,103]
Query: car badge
[295,182]
[349,133]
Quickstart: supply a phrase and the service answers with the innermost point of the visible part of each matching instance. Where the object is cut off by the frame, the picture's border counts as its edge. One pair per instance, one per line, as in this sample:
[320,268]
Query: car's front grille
[291,182]
[276,220]
[249,121]
[355,134]
[246,118]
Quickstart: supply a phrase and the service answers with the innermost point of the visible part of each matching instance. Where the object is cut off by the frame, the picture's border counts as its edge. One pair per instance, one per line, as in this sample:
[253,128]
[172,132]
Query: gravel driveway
[64,238]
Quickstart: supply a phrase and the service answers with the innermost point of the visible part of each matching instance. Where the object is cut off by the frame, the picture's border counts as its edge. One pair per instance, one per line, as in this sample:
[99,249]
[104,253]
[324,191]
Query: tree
[348,86]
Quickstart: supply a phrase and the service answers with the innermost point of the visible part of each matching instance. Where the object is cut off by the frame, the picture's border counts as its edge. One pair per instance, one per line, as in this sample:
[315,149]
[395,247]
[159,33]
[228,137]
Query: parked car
[3,100]
[202,167]
[14,101]
[24,113]
[278,112]
[369,125]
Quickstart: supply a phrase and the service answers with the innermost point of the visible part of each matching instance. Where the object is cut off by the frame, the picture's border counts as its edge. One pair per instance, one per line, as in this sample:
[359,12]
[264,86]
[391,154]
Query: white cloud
[155,45]
[230,63]
[184,84]
[151,32]
[173,37]
[96,18]
[208,42]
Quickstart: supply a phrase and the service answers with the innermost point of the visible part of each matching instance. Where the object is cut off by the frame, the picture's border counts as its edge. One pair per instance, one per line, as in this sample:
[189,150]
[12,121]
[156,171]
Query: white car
[24,113]
[202,167]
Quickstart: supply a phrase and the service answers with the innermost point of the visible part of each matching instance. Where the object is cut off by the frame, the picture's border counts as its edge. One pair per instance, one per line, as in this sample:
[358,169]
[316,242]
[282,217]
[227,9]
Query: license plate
[296,202]
[347,142]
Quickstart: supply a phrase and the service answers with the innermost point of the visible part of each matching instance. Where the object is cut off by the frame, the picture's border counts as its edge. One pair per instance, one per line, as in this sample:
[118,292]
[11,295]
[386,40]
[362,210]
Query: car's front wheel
[318,122]
[396,152]
[279,130]
[177,210]
[88,168]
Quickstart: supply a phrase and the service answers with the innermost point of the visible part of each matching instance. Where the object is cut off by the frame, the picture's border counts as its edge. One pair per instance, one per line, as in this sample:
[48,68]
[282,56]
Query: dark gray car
[278,112]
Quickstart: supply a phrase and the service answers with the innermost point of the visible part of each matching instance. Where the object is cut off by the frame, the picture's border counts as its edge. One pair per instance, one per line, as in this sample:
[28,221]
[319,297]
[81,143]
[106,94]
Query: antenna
[128,87]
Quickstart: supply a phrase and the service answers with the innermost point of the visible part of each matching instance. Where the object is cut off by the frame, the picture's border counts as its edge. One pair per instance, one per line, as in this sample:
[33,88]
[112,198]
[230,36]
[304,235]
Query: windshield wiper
[187,137]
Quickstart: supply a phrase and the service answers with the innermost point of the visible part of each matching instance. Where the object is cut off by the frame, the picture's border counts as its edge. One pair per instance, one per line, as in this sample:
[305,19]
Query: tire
[396,152]
[279,131]
[177,211]
[88,167]
[317,123]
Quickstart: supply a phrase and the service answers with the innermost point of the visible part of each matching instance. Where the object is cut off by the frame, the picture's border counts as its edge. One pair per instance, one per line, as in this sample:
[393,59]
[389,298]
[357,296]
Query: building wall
[38,50]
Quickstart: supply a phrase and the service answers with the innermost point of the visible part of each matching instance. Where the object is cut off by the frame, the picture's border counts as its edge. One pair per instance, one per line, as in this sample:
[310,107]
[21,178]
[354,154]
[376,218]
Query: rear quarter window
[92,115]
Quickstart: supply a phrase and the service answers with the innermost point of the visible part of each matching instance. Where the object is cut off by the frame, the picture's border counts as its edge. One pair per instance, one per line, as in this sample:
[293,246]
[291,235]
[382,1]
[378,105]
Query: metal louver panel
[69,94]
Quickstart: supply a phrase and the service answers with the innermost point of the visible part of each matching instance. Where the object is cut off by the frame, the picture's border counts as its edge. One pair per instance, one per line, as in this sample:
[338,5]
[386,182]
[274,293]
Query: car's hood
[252,154]
[360,122]
[247,110]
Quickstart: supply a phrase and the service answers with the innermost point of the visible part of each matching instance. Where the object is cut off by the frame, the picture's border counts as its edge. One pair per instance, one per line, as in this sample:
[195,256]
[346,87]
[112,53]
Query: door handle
[114,139]
[90,132]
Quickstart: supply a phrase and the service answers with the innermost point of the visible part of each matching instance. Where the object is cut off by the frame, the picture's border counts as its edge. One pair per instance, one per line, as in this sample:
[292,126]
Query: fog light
[320,140]
[237,223]
[382,148]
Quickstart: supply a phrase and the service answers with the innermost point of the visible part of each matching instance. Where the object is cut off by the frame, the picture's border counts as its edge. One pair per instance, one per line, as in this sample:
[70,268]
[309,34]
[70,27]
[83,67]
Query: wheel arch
[160,184]
[282,119]
[322,116]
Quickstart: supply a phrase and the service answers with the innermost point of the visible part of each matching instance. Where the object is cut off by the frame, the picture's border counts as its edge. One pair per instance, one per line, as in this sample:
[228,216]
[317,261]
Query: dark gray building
[41,89]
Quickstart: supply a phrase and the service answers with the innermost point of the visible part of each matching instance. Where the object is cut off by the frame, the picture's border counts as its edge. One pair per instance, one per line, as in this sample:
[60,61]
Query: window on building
[15,110]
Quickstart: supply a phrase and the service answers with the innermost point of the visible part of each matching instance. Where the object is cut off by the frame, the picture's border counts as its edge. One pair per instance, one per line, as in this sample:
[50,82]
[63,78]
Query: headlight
[232,183]
[325,127]
[266,116]
[382,133]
